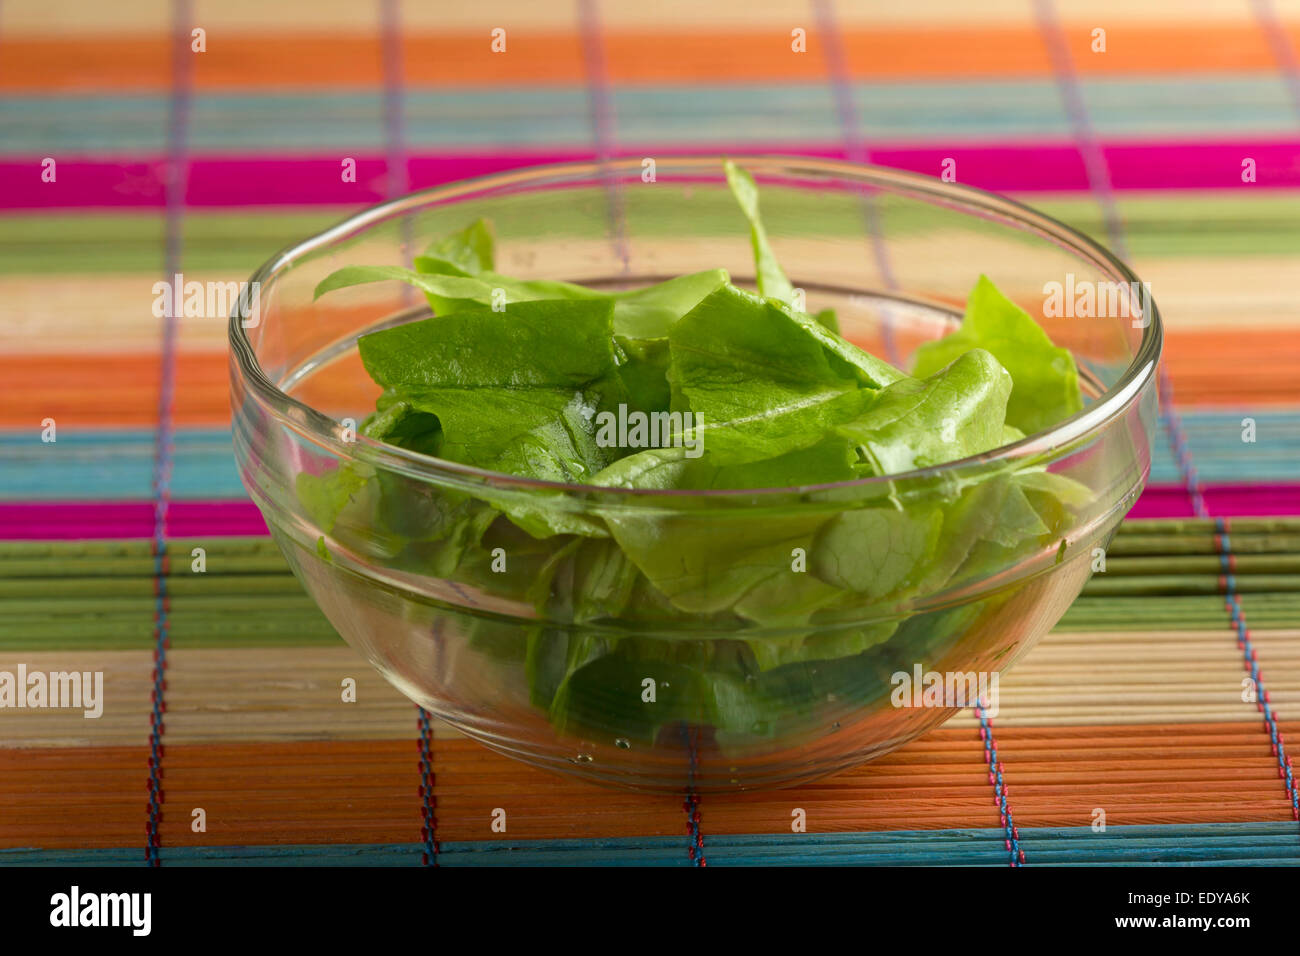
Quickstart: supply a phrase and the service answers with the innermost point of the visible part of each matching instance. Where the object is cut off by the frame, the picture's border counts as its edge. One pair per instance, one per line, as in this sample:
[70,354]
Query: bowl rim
[326,432]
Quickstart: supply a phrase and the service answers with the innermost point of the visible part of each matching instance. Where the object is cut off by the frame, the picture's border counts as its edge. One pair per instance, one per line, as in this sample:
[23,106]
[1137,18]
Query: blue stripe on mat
[918,111]
[117,463]
[1244,844]
[1214,440]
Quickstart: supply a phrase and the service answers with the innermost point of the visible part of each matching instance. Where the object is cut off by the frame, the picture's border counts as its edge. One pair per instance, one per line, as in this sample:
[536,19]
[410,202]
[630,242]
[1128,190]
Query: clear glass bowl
[895,254]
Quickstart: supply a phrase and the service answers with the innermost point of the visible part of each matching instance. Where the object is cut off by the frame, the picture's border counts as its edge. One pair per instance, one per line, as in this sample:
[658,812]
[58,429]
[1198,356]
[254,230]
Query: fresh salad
[696,384]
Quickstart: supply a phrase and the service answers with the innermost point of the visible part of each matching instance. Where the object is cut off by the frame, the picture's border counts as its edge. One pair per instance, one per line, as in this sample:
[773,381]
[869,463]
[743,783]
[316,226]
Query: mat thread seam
[602,121]
[1001,795]
[165,441]
[691,805]
[1099,180]
[857,150]
[428,794]
[1250,659]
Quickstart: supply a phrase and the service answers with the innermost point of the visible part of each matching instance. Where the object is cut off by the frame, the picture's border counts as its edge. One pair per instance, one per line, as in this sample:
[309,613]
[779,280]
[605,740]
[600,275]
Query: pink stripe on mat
[1233,501]
[316,180]
[69,520]
[247,181]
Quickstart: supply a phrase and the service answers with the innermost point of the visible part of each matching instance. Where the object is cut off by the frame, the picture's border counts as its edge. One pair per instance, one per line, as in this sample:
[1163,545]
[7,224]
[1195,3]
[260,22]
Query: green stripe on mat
[124,242]
[98,595]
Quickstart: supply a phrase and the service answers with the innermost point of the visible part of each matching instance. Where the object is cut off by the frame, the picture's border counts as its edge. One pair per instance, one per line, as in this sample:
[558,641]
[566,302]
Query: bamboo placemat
[221,689]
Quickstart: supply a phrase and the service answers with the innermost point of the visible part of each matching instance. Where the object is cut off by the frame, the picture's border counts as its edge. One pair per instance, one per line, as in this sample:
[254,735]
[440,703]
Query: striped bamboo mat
[1153,725]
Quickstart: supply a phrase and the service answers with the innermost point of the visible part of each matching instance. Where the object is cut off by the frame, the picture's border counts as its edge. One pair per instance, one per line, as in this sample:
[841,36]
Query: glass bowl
[689,693]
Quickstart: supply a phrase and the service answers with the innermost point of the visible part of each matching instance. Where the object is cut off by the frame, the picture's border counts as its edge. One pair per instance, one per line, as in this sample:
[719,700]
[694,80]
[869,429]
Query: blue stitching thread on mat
[1228,586]
[1095,166]
[842,87]
[602,121]
[428,797]
[857,151]
[1098,174]
[164,447]
[1177,436]
[1000,795]
[691,805]
[396,161]
[601,108]
[1250,660]
[398,184]
[1099,180]
[1290,68]
[1287,63]
[398,175]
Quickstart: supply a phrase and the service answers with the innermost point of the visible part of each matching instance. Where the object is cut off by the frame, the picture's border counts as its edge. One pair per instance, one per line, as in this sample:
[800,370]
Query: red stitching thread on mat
[856,150]
[1001,792]
[602,121]
[691,805]
[1099,179]
[428,794]
[163,448]
[601,107]
[1288,65]
[1250,661]
[398,184]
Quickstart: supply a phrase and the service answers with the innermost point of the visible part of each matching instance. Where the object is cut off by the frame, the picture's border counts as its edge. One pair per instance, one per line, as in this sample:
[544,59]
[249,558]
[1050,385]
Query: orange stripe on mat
[86,390]
[366,791]
[313,60]
[71,797]
[1171,773]
[353,791]
[107,390]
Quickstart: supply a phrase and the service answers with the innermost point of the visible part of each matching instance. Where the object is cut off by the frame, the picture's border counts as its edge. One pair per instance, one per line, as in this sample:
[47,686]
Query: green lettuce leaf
[513,391]
[771,279]
[809,608]
[915,423]
[760,382]
[468,252]
[1046,389]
